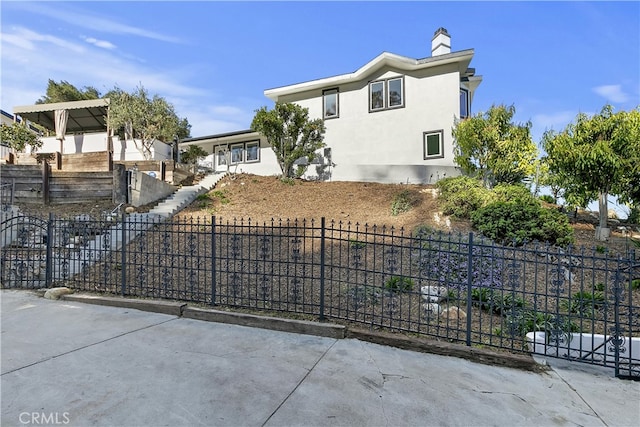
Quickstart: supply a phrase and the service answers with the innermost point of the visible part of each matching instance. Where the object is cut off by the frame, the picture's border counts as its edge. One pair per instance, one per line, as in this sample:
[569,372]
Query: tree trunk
[602,231]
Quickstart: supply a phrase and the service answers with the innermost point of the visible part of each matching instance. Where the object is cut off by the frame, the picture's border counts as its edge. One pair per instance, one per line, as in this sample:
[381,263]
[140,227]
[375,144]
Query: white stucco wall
[266,165]
[93,142]
[387,146]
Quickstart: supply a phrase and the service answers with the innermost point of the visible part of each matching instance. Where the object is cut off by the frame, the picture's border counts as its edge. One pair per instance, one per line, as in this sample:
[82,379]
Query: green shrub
[461,195]
[401,203]
[547,198]
[221,195]
[519,222]
[356,244]
[453,185]
[583,303]
[516,194]
[505,304]
[399,284]
[554,228]
[482,297]
[524,321]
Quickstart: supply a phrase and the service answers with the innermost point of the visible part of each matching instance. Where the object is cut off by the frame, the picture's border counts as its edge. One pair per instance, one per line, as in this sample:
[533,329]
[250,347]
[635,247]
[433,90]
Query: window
[433,144]
[395,93]
[464,103]
[330,103]
[221,156]
[376,90]
[253,152]
[237,153]
[385,94]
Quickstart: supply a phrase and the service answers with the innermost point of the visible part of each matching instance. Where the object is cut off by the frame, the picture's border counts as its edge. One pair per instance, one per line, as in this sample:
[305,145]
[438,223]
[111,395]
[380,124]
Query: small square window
[396,93]
[433,144]
[237,153]
[330,103]
[376,96]
[253,152]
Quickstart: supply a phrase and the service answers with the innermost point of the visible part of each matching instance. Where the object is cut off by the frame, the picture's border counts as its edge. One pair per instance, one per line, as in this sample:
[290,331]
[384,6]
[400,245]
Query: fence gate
[24,260]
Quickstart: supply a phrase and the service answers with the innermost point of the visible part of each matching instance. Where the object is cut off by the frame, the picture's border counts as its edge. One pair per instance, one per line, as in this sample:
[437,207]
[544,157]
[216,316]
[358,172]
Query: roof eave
[462,57]
[220,138]
[71,105]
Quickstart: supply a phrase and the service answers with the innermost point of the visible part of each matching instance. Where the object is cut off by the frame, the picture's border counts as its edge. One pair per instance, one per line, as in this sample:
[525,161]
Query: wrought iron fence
[7,194]
[581,304]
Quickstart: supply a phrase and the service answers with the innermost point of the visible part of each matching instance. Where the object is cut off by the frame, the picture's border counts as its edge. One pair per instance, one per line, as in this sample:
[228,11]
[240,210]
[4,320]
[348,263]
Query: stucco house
[389,121]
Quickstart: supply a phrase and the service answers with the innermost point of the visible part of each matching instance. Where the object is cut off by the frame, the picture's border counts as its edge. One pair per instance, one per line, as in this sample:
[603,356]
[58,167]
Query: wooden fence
[41,184]
[100,161]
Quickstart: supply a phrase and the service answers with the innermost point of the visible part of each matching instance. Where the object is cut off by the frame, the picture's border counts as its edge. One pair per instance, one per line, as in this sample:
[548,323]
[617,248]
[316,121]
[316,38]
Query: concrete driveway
[69,363]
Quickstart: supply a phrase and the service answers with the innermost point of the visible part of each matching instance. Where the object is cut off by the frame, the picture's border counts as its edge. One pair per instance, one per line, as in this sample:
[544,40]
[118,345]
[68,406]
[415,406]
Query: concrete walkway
[70,363]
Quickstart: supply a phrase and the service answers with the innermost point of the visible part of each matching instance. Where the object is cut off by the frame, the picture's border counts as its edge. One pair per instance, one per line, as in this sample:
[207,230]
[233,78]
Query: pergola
[68,117]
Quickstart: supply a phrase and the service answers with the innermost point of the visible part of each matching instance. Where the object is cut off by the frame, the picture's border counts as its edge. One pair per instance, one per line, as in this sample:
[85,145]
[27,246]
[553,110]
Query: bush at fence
[516,222]
[462,195]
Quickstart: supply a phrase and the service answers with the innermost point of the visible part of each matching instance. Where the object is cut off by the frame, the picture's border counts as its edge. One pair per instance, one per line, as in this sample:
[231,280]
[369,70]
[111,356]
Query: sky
[213,60]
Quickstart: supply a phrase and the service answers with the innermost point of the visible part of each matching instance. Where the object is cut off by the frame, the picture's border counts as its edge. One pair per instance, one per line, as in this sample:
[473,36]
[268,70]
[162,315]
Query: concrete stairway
[134,225]
[185,195]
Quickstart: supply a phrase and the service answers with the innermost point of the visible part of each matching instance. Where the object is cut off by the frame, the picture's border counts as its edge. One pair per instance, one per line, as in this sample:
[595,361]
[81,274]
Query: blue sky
[213,60]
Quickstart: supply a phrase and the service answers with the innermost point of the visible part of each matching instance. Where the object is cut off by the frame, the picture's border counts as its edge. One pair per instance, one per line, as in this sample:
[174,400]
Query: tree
[192,154]
[138,117]
[65,91]
[598,155]
[493,148]
[291,134]
[18,136]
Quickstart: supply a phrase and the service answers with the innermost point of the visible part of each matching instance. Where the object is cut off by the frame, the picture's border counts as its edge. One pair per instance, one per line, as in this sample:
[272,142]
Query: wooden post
[163,171]
[120,184]
[58,160]
[46,172]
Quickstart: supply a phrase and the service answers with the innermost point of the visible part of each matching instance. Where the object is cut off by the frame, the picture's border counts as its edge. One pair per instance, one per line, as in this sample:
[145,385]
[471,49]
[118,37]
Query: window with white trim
[386,94]
[376,96]
[221,155]
[433,144]
[252,152]
[396,92]
[237,153]
[330,104]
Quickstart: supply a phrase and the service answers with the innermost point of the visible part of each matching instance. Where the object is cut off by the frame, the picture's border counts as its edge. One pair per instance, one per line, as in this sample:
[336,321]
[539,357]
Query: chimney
[441,42]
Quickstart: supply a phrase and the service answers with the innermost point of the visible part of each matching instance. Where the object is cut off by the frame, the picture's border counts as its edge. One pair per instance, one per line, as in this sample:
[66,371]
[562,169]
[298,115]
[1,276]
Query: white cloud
[556,121]
[612,93]
[24,38]
[30,59]
[100,43]
[92,22]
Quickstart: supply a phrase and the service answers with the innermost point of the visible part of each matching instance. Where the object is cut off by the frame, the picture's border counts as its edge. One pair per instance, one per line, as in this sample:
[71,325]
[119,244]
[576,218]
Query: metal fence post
[213,260]
[618,288]
[469,284]
[123,259]
[49,255]
[322,261]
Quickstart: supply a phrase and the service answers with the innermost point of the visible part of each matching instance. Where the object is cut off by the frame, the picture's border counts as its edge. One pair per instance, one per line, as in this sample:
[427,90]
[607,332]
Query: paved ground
[69,363]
